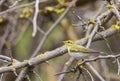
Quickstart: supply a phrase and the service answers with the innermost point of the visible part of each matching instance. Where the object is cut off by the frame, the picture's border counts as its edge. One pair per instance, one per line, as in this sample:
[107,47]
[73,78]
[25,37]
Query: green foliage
[53,9]
[1,19]
[24,45]
[62,2]
[59,11]
[116,26]
[54,37]
[26,12]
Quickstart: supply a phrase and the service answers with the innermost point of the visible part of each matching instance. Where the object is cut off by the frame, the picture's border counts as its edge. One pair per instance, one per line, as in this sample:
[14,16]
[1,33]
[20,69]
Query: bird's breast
[78,55]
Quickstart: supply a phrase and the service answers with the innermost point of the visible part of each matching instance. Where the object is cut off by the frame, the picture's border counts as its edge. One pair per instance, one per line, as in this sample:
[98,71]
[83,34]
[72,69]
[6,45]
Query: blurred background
[16,29]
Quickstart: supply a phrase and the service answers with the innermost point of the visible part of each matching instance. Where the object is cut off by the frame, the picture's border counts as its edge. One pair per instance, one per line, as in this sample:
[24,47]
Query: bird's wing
[78,48]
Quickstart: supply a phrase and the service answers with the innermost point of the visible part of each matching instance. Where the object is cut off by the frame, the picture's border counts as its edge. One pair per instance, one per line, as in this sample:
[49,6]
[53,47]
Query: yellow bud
[27,62]
[110,6]
[90,21]
[38,56]
[45,54]
[15,63]
[81,66]
[116,26]
[49,8]
[67,63]
[59,11]
[1,19]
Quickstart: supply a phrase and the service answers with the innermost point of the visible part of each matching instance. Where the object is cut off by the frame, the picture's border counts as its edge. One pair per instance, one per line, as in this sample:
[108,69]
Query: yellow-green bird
[78,51]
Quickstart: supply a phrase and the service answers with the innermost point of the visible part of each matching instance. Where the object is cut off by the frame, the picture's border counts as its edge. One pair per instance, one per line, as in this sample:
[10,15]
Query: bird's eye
[69,42]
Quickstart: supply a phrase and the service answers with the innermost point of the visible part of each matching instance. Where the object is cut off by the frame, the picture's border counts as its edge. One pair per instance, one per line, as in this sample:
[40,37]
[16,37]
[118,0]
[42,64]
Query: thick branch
[54,53]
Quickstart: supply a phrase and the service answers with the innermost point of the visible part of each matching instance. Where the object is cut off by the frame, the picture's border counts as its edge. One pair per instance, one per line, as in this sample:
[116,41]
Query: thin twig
[96,15]
[17,7]
[38,28]
[68,63]
[1,2]
[28,78]
[92,35]
[92,79]
[1,77]
[20,76]
[84,78]
[40,79]
[6,33]
[72,70]
[116,12]
[7,59]
[88,45]
[15,3]
[78,76]
[107,42]
[99,57]
[95,72]
[35,18]
[118,64]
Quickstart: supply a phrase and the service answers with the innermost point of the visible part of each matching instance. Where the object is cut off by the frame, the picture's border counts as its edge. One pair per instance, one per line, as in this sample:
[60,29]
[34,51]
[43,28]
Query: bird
[78,51]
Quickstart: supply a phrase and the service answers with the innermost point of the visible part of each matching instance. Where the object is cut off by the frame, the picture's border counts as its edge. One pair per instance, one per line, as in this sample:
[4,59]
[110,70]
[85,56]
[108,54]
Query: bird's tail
[99,53]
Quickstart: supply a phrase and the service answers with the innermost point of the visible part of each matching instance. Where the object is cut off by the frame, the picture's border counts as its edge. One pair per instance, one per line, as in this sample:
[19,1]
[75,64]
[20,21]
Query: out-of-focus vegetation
[16,27]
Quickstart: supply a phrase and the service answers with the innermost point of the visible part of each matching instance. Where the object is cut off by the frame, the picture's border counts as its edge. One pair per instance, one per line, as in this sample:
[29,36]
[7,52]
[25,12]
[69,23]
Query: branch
[52,54]
[21,6]
[45,36]
[35,18]
[52,28]
[98,58]
[17,7]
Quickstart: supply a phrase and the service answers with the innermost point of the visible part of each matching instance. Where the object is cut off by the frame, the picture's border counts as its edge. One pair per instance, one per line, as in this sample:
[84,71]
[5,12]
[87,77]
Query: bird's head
[68,42]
